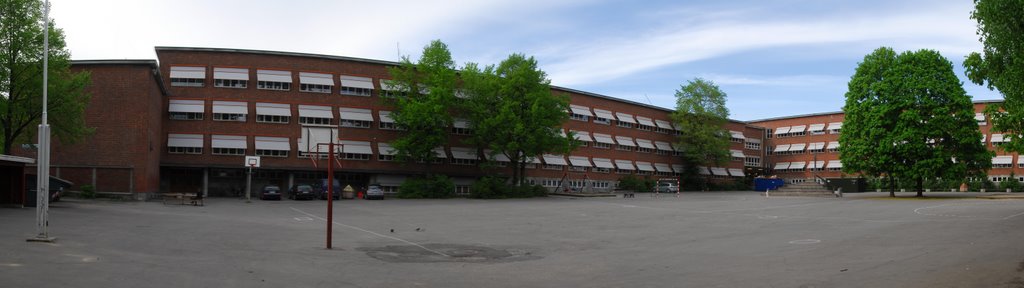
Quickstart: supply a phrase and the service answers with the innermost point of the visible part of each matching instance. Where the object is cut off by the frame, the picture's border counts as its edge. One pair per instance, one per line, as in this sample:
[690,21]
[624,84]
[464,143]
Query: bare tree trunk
[892,187]
[920,187]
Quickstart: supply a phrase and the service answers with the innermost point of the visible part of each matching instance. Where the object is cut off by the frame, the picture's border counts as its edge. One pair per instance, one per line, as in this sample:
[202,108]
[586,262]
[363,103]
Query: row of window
[238,78]
[802,130]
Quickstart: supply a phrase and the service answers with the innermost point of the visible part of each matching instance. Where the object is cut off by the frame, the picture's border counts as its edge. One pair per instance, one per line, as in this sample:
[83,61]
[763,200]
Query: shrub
[88,191]
[527,191]
[1013,184]
[629,182]
[435,186]
[489,187]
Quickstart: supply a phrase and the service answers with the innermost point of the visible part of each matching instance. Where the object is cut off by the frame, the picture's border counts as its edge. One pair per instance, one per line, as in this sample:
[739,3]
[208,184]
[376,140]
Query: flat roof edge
[149,62]
[19,159]
[278,53]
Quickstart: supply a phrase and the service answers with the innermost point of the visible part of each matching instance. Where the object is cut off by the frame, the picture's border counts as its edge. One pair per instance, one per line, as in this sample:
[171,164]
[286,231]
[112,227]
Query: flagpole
[43,161]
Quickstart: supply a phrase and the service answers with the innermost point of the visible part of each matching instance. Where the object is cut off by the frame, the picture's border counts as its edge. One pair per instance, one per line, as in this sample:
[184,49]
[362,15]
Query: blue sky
[773,58]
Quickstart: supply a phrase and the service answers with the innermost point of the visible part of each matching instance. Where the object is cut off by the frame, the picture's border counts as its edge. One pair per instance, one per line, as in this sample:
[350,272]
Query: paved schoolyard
[736,239]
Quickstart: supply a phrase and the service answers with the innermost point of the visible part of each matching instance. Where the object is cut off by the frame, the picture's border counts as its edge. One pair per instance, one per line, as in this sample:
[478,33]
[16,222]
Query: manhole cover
[430,253]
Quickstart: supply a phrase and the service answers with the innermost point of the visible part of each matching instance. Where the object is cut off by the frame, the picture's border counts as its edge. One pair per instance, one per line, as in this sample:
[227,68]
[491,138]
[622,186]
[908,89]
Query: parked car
[667,187]
[374,191]
[301,192]
[321,190]
[270,192]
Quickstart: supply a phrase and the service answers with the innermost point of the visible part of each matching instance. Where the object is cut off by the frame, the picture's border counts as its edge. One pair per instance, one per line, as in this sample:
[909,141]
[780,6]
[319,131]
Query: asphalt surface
[737,239]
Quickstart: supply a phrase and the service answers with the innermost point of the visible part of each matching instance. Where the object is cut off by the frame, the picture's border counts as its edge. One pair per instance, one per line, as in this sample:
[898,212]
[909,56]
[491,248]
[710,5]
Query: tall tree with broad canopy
[513,112]
[422,111]
[1000,65]
[908,117]
[21,78]
[701,115]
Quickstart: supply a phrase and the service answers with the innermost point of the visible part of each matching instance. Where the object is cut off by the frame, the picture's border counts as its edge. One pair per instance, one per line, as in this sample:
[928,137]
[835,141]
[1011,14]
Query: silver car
[374,192]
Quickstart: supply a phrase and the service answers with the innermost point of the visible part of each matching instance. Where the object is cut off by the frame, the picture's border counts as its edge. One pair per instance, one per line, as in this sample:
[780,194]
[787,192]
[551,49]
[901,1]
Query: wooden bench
[183,199]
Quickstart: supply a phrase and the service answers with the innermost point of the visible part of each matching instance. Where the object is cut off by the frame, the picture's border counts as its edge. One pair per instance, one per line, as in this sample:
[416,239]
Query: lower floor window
[185,150]
[461,190]
[272,153]
[552,167]
[577,169]
[623,171]
[354,156]
[457,161]
[385,157]
[602,170]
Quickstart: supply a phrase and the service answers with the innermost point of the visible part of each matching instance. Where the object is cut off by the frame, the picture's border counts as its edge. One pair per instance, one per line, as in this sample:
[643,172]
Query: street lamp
[43,161]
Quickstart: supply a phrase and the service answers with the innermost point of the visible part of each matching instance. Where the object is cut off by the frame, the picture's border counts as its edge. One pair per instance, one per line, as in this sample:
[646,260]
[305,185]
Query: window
[624,124]
[271,153]
[389,89]
[1003,161]
[387,126]
[188,76]
[463,156]
[315,115]
[663,127]
[186,109]
[274,80]
[185,143]
[580,113]
[462,190]
[314,121]
[385,152]
[230,77]
[273,146]
[752,161]
[354,156]
[229,145]
[230,111]
[468,162]
[623,148]
[553,167]
[737,155]
[752,144]
[185,150]
[817,147]
[386,123]
[624,143]
[386,158]
[644,123]
[273,119]
[355,118]
[980,118]
[833,147]
[228,151]
[315,82]
[835,127]
[604,117]
[817,129]
[550,183]
[600,145]
[461,127]
[355,86]
[798,130]
[768,133]
[736,137]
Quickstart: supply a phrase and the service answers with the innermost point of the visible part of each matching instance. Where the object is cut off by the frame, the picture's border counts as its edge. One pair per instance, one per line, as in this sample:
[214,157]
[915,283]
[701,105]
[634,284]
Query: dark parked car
[374,192]
[302,192]
[321,190]
[270,192]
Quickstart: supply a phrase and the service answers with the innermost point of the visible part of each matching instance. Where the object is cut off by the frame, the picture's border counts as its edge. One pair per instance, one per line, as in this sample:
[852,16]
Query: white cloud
[943,27]
[790,80]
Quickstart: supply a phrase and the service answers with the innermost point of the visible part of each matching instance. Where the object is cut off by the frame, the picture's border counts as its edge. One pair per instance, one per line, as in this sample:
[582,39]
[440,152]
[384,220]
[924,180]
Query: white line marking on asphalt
[373,233]
[805,241]
[303,219]
[1014,215]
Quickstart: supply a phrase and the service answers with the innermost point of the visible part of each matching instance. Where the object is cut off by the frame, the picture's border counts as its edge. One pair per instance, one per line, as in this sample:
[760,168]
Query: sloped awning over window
[645,121]
[316,78]
[664,146]
[229,141]
[190,72]
[644,143]
[834,164]
[663,167]
[355,114]
[782,130]
[185,140]
[273,143]
[833,145]
[583,136]
[356,147]
[356,82]
[816,146]
[624,165]
[603,163]
[1003,159]
[603,138]
[550,159]
[230,107]
[580,161]
[385,149]
[797,147]
[644,166]
[604,114]
[623,117]
[719,171]
[231,73]
[736,172]
[274,109]
[464,153]
[782,148]
[781,165]
[703,170]
[581,110]
[797,165]
[663,124]
[625,141]
[274,76]
[736,135]
[315,111]
[737,153]
[186,106]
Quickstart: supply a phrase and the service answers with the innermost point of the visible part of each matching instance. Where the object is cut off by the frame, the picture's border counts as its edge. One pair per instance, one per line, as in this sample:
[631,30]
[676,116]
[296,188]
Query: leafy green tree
[514,113]
[21,78]
[1000,64]
[700,115]
[908,117]
[428,93]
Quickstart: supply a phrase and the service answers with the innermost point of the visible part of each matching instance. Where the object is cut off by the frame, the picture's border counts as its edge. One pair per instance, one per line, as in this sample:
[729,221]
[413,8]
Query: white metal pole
[43,161]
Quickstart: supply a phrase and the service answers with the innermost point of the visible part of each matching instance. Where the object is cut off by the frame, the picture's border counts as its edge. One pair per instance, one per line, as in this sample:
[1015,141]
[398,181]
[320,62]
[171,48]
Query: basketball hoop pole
[330,192]
[248,186]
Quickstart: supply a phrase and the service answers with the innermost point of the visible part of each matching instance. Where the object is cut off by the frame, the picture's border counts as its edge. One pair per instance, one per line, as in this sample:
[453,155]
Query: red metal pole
[330,192]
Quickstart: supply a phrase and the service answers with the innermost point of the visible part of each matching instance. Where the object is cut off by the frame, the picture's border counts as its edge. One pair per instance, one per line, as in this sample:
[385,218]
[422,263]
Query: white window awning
[581,110]
[499,157]
[356,147]
[580,161]
[625,141]
[460,123]
[273,109]
[273,143]
[782,148]
[583,136]
[645,121]
[835,126]
[662,124]
[603,163]
[356,82]
[440,152]
[551,159]
[644,166]
[230,107]
[798,147]
[385,117]
[1002,159]
[274,76]
[231,73]
[624,165]
[229,141]
[737,153]
[998,138]
[753,140]
[983,137]
[603,138]
[464,153]
[385,149]
[388,85]
[316,78]
[1020,160]
[703,170]
[185,140]
[603,114]
[797,129]
[719,171]
[834,164]
[736,172]
[797,165]
[781,165]
[677,147]
[817,127]
[665,146]
[678,168]
[817,164]
[189,72]
[833,145]
[980,117]
[644,143]
[816,146]
[736,134]
[313,136]
[623,117]
[782,130]
[355,114]
[186,106]
[663,167]
[315,111]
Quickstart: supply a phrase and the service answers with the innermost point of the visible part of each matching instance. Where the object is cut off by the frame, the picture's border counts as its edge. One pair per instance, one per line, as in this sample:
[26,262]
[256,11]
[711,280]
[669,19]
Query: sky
[773,58]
